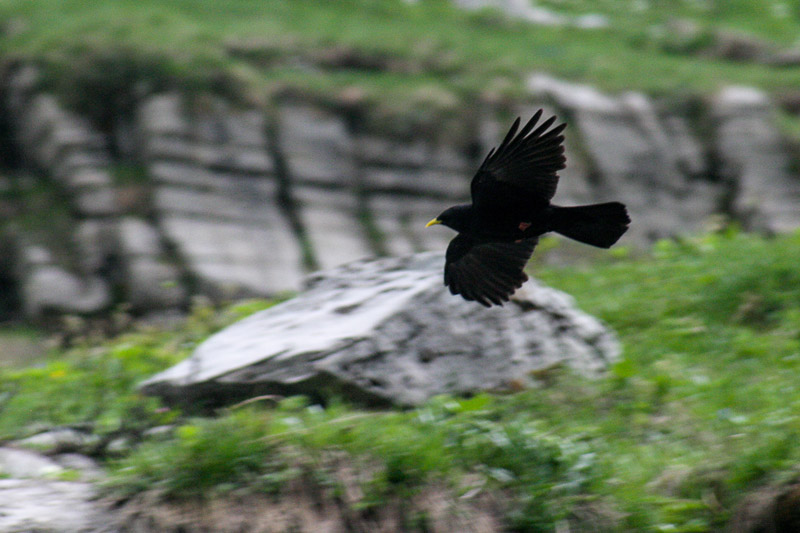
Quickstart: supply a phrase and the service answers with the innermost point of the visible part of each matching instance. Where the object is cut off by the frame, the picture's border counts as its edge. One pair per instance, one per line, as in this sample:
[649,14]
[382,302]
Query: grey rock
[197,238]
[150,282]
[437,183]
[215,201]
[389,331]
[163,114]
[21,84]
[317,146]
[119,446]
[65,146]
[32,255]
[688,150]
[246,159]
[574,184]
[521,9]
[412,166]
[215,136]
[96,202]
[79,168]
[246,127]
[738,46]
[754,157]
[88,177]
[214,184]
[177,148]
[47,506]
[88,469]
[95,243]
[401,221]
[153,284]
[232,234]
[243,159]
[51,288]
[571,95]
[256,206]
[36,119]
[61,143]
[68,134]
[335,233]
[391,215]
[139,238]
[59,441]
[591,21]
[26,464]
[237,257]
[159,432]
[182,173]
[632,157]
[381,151]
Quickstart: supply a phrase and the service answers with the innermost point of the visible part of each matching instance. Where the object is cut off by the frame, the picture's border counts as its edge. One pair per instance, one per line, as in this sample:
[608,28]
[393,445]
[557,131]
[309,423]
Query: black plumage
[511,208]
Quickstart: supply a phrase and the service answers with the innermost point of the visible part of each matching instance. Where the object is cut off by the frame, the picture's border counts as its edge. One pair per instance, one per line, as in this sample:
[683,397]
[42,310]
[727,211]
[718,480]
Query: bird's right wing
[525,162]
[487,273]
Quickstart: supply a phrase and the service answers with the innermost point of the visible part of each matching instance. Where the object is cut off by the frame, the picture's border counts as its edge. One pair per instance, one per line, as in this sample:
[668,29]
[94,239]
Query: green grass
[403,57]
[93,383]
[702,409]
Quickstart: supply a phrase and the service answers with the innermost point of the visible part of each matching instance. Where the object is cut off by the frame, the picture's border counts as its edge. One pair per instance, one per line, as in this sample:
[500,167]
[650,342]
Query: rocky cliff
[195,194]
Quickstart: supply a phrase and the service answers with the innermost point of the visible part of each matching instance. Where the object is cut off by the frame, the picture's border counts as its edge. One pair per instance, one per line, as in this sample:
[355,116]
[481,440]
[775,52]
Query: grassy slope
[265,45]
[703,408]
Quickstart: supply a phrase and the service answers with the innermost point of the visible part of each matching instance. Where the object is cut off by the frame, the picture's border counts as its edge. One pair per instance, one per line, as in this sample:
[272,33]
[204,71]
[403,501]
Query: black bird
[511,208]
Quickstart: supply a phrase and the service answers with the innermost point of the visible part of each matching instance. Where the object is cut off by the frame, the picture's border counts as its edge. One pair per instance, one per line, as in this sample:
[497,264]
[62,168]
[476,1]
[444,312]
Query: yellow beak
[433,222]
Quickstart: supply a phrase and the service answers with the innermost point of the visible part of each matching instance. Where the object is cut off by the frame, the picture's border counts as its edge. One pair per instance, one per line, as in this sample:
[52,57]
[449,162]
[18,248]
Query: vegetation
[702,409]
[92,384]
[404,57]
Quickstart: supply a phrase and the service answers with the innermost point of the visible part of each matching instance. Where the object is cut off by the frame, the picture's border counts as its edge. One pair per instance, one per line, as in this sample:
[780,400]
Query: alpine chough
[511,208]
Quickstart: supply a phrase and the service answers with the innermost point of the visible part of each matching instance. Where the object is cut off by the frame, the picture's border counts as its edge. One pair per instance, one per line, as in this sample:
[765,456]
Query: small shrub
[203,457]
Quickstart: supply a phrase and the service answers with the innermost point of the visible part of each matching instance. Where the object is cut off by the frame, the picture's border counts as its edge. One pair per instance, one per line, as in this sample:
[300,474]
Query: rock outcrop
[766,193]
[33,499]
[388,331]
[524,10]
[244,201]
[633,156]
[215,196]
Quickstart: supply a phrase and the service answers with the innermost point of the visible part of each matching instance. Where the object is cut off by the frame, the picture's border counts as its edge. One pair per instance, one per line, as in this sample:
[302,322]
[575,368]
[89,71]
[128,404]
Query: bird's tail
[599,224]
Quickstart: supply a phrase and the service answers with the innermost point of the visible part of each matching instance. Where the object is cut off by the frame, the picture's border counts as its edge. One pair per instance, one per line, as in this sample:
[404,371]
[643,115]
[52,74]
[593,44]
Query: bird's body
[511,208]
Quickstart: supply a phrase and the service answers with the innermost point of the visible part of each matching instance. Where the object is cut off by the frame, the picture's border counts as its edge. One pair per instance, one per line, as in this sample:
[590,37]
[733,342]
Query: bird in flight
[511,208]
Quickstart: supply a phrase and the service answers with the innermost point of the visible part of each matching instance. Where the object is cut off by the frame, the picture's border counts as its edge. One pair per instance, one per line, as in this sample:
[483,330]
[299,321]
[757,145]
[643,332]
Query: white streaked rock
[389,331]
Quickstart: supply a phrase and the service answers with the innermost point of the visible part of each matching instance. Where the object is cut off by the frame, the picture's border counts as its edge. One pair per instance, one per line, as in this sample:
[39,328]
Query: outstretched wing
[487,273]
[525,162]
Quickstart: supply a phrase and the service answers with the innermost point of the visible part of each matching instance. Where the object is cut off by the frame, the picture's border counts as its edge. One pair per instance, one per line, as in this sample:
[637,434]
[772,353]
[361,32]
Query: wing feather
[528,161]
[487,273]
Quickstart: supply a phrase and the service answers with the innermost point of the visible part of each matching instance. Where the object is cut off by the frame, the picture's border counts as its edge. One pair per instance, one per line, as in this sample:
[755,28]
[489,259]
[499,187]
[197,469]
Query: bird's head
[457,217]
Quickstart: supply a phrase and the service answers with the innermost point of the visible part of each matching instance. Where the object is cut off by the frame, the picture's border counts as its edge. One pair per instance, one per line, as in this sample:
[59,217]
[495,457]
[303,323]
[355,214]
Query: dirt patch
[307,506]
[769,510]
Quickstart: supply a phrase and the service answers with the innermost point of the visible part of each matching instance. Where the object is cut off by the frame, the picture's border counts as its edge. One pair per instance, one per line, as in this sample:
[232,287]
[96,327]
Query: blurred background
[153,152]
[195,158]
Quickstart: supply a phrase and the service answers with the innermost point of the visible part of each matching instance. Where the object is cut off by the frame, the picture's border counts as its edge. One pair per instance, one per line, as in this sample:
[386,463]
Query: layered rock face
[246,201]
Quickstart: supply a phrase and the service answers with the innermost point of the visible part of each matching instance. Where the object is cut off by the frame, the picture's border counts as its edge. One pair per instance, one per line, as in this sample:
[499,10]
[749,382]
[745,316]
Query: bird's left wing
[488,273]
[527,162]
